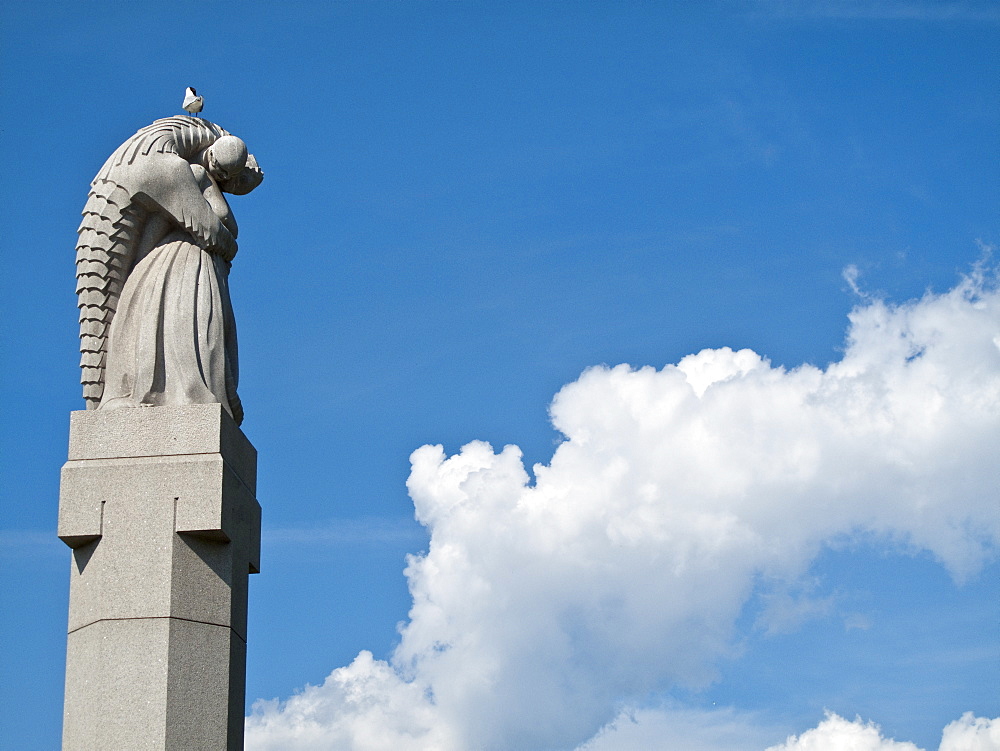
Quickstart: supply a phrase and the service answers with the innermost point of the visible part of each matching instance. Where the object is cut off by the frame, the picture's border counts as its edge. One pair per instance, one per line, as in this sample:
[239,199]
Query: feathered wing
[105,252]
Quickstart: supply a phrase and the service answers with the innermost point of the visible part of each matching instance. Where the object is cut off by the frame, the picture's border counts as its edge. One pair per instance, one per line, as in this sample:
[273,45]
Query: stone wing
[105,252]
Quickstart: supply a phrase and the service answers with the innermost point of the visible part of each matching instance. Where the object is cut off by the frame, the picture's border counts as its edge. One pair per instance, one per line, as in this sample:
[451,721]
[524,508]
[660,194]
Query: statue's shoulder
[181,135]
[200,175]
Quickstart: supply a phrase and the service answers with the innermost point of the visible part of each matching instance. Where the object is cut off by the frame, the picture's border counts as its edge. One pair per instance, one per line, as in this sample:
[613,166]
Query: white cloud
[539,609]
[674,728]
[971,734]
[851,274]
[837,734]
[362,706]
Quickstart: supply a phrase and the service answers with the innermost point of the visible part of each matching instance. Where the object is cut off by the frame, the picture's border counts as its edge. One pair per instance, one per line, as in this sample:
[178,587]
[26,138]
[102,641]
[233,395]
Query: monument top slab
[162,431]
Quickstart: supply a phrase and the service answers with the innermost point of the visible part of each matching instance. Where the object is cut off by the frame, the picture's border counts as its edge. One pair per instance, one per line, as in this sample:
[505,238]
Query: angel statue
[152,269]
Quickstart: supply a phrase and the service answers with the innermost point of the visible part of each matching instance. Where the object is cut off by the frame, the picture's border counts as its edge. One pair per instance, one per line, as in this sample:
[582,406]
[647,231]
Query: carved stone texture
[158,506]
[153,257]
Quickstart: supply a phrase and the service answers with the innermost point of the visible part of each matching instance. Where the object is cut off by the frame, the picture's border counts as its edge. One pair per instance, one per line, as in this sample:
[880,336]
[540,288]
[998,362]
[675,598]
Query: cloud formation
[837,734]
[542,606]
[971,734]
[362,706]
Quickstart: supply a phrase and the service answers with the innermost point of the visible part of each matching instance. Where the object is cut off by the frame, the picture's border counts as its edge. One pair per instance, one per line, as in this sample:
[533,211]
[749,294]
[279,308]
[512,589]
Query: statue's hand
[220,242]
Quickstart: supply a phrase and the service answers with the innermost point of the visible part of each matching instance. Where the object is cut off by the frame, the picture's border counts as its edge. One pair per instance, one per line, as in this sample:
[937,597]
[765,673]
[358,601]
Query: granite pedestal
[158,505]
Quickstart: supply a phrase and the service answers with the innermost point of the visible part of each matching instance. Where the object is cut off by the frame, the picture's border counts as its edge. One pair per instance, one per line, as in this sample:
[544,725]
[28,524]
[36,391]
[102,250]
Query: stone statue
[153,257]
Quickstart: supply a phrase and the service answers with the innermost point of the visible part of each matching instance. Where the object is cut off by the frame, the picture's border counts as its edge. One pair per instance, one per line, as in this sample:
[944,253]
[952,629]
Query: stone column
[158,505]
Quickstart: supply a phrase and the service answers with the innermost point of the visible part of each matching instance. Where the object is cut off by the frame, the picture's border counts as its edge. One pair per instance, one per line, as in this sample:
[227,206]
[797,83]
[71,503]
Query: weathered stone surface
[154,683]
[153,256]
[158,505]
[179,431]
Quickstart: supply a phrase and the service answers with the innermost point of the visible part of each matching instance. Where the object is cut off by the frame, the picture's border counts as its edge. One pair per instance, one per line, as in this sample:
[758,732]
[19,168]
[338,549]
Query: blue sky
[466,206]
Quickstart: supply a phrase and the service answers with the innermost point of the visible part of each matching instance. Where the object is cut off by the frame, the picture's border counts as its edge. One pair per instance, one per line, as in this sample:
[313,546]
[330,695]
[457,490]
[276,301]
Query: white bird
[192,102]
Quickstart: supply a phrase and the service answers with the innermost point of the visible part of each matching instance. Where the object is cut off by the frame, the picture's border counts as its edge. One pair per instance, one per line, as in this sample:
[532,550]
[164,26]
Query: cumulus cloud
[971,733]
[837,734]
[542,606]
[362,706]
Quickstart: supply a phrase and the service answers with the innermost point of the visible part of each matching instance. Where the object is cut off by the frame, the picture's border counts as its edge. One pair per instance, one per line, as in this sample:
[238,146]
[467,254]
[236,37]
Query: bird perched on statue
[192,102]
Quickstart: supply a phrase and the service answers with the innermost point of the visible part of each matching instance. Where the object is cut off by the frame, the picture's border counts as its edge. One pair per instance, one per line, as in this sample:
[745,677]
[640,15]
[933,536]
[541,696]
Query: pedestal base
[158,505]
